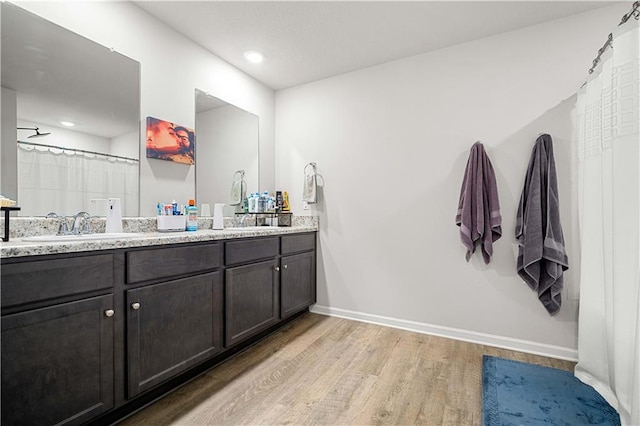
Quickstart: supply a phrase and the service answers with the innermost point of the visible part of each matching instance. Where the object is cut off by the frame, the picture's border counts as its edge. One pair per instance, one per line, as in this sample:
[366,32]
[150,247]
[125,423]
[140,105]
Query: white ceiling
[304,41]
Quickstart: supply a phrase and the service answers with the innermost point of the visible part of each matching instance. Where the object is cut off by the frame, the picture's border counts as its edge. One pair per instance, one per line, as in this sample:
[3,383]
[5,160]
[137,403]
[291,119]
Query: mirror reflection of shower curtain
[608,133]
[65,182]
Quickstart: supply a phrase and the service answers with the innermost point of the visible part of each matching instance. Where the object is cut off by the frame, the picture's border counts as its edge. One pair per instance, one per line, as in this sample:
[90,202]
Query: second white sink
[251,228]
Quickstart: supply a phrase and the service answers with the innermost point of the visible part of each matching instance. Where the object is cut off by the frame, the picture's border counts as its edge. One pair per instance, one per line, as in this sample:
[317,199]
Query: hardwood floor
[325,370]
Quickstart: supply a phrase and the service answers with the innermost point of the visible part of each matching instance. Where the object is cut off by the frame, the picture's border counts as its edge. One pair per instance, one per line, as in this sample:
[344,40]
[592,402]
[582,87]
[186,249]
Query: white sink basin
[83,237]
[251,228]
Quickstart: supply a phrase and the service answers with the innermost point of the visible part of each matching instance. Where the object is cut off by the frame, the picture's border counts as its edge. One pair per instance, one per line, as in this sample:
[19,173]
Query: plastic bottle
[192,216]
[245,205]
[252,203]
[259,203]
[285,201]
[255,202]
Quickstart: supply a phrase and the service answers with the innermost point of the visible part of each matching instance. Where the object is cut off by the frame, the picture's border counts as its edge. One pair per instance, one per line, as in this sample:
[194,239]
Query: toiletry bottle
[278,201]
[259,203]
[192,216]
[252,204]
[272,204]
[175,207]
[285,201]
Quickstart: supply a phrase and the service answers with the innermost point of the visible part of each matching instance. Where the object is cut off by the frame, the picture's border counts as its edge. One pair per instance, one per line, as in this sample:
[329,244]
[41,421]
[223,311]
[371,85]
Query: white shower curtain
[64,182]
[608,121]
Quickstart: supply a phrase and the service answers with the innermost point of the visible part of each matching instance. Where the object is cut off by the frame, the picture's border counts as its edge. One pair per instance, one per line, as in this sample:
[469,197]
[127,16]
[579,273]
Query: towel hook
[240,172]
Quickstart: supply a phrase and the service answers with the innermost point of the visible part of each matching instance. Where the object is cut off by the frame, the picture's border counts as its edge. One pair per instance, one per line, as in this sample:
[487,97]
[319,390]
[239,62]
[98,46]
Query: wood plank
[325,370]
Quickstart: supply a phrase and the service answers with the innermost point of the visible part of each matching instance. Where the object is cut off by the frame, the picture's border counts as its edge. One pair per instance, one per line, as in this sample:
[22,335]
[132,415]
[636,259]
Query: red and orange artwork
[167,141]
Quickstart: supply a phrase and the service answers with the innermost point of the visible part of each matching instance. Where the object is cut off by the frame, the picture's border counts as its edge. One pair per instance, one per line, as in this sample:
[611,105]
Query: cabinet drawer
[298,242]
[34,281]
[144,265]
[250,250]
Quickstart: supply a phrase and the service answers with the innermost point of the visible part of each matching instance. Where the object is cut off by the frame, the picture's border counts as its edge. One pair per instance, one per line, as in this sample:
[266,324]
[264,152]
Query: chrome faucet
[64,227]
[80,223]
[241,222]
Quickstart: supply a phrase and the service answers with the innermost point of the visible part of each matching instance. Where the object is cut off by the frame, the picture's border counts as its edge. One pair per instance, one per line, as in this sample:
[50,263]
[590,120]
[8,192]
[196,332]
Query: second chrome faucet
[79,225]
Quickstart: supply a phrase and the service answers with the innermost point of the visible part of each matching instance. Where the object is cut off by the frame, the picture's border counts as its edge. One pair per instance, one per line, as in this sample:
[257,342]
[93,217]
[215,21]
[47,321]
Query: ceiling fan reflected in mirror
[37,134]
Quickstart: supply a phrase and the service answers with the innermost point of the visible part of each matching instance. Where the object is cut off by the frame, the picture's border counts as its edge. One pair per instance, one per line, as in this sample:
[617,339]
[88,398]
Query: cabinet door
[57,363]
[298,283]
[171,327]
[251,300]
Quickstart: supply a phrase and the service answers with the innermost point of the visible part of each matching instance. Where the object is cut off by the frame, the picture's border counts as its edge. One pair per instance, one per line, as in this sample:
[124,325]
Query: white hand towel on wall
[238,189]
[310,189]
[236,193]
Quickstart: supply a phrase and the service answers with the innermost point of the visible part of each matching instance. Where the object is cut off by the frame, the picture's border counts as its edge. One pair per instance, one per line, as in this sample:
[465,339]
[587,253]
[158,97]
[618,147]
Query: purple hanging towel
[479,209]
[541,253]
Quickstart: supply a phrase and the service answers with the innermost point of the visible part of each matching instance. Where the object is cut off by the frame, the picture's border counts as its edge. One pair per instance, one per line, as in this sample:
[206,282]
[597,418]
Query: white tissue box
[172,223]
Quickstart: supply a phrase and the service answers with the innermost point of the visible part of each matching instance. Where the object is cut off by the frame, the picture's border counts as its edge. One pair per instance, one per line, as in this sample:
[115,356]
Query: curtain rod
[635,13]
[44,145]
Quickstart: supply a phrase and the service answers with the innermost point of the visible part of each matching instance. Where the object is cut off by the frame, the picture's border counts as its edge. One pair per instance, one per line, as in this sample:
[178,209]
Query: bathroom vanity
[95,329]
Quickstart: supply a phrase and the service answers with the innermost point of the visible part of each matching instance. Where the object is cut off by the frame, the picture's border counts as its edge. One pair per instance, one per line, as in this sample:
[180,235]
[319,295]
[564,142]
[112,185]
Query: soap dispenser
[114,216]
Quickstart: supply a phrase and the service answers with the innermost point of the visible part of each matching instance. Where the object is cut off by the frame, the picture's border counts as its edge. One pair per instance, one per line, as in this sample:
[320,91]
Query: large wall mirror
[70,116]
[227,141]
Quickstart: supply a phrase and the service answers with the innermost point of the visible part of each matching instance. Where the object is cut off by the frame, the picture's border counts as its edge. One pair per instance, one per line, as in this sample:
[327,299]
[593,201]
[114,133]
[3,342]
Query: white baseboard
[453,333]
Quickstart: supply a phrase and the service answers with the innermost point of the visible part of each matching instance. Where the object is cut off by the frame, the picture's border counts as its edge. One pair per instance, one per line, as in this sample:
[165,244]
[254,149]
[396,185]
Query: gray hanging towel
[479,209]
[541,253]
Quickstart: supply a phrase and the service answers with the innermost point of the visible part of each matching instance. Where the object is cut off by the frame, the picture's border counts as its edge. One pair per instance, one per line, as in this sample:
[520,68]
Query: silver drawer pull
[277,268]
[284,266]
[135,306]
[109,312]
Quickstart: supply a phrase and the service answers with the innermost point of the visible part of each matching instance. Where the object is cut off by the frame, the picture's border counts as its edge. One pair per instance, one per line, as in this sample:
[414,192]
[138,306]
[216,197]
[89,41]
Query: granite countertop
[16,247]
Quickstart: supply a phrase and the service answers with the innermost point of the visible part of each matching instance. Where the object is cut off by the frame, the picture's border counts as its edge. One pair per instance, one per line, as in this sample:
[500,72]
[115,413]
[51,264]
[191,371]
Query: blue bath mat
[517,393]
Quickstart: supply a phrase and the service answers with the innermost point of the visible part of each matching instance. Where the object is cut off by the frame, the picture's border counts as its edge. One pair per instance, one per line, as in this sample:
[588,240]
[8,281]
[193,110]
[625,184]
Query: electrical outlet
[305,205]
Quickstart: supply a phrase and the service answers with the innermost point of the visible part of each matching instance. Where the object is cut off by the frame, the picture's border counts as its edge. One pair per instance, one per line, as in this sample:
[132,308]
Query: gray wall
[392,143]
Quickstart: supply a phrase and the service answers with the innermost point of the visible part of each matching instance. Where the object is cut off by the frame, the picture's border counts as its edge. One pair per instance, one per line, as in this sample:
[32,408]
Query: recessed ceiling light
[67,123]
[254,56]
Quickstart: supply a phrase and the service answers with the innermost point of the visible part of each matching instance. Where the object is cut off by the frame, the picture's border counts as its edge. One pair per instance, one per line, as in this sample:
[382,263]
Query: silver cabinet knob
[135,306]
[109,312]
[277,268]
[284,266]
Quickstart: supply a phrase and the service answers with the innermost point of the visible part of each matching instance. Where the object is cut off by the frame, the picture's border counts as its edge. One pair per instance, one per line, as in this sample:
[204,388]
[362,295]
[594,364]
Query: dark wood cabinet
[90,336]
[57,363]
[297,273]
[297,283]
[172,326]
[251,300]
